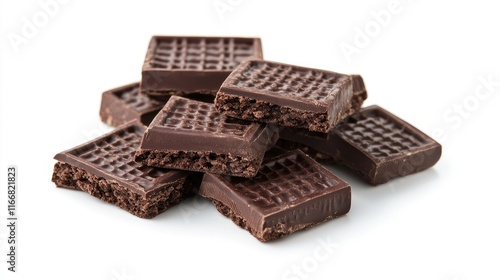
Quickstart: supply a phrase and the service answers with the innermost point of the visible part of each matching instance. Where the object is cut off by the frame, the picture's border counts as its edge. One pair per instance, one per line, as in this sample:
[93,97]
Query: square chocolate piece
[374,143]
[288,95]
[380,146]
[192,135]
[179,65]
[105,168]
[291,192]
[124,104]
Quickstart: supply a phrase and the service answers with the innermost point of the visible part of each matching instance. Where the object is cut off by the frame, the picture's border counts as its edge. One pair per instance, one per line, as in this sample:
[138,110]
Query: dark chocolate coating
[187,132]
[291,192]
[177,65]
[111,157]
[124,104]
[105,168]
[285,94]
[374,143]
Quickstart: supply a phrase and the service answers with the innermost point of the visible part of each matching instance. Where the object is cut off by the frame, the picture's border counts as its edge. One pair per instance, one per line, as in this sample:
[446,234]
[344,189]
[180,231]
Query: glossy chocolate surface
[189,125]
[178,64]
[374,143]
[291,190]
[111,156]
[289,85]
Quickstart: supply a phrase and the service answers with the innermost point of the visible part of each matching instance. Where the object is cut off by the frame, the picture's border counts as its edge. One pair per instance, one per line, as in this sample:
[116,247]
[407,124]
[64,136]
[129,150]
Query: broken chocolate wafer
[105,168]
[291,192]
[287,95]
[192,135]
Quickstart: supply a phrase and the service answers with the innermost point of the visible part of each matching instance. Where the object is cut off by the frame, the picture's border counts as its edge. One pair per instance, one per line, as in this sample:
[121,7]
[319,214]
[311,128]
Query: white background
[423,64]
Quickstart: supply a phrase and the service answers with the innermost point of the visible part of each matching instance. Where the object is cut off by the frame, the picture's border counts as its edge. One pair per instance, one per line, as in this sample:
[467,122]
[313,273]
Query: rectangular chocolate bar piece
[124,104]
[179,65]
[291,192]
[288,95]
[374,143]
[192,135]
[105,168]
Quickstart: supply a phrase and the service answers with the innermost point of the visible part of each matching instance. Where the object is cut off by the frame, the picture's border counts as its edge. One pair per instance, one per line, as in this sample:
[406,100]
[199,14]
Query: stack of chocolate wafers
[211,117]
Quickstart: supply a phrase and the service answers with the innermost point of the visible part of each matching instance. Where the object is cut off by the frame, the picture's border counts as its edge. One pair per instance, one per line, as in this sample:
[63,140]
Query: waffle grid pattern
[115,155]
[303,83]
[282,181]
[222,54]
[191,115]
[378,135]
[134,99]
